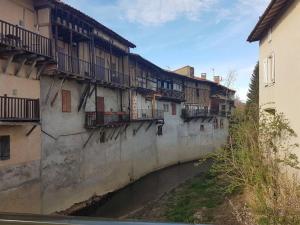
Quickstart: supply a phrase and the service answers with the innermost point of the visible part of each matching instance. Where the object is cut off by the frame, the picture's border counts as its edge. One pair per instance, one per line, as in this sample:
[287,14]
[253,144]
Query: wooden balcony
[14,38]
[189,114]
[84,70]
[19,109]
[105,119]
[172,95]
[147,115]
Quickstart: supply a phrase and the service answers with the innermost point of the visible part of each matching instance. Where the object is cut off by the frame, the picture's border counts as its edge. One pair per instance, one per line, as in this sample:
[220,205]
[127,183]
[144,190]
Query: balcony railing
[195,113]
[99,119]
[20,38]
[19,109]
[73,65]
[172,94]
[86,70]
[147,114]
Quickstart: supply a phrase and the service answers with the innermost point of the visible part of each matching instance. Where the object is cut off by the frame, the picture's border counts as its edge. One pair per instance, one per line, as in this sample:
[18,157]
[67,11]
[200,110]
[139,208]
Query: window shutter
[66,100]
[266,71]
[273,68]
[4,147]
[173,109]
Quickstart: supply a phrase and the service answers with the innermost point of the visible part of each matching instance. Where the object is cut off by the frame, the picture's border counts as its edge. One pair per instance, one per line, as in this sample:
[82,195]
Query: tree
[253,93]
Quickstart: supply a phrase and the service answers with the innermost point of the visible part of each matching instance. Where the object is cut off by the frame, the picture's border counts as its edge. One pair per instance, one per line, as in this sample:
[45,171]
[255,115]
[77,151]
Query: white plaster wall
[73,174]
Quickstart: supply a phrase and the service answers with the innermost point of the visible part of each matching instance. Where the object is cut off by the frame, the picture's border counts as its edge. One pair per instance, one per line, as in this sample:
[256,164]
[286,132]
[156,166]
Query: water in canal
[136,195]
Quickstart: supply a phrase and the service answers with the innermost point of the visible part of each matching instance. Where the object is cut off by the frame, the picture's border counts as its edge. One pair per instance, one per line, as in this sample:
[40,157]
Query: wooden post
[96,105]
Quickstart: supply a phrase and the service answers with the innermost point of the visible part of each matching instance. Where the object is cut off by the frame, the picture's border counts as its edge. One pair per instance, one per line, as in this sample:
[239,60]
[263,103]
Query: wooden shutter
[4,147]
[100,104]
[174,109]
[66,100]
[266,80]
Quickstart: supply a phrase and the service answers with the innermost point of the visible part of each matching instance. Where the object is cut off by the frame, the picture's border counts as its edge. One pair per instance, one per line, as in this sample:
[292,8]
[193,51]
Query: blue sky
[206,34]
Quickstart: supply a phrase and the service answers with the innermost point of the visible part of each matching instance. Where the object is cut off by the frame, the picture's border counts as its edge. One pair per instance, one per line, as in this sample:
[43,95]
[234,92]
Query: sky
[209,35]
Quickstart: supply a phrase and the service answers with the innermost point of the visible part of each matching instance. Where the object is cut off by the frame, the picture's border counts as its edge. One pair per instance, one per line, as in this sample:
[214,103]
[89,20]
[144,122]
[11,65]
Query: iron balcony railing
[19,109]
[172,94]
[20,38]
[96,119]
[147,114]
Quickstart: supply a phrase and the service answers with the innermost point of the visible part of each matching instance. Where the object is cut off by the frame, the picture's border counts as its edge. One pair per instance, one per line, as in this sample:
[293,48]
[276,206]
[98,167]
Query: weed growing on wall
[260,161]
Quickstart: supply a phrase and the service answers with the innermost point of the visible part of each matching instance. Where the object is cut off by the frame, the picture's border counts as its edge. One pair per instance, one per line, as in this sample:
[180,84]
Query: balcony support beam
[150,125]
[21,67]
[31,130]
[57,92]
[138,128]
[9,62]
[41,69]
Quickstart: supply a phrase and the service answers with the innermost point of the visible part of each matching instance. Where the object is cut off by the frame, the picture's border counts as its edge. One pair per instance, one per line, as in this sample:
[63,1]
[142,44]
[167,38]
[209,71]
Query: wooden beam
[138,128]
[56,94]
[150,124]
[32,68]
[10,59]
[89,138]
[41,69]
[49,91]
[21,67]
[31,130]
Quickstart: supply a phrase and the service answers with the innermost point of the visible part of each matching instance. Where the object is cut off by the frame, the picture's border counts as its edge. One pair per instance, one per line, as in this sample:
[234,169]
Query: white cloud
[156,12]
[253,6]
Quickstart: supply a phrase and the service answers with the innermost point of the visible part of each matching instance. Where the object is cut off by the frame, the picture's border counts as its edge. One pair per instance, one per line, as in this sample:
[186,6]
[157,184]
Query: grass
[200,194]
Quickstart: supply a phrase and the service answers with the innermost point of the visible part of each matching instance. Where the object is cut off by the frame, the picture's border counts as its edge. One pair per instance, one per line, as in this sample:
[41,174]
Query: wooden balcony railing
[99,119]
[19,109]
[73,65]
[20,38]
[195,113]
[147,114]
[86,70]
[172,94]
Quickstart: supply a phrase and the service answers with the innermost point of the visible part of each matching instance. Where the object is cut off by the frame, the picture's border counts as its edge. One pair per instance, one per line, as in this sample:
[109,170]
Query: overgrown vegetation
[196,200]
[259,161]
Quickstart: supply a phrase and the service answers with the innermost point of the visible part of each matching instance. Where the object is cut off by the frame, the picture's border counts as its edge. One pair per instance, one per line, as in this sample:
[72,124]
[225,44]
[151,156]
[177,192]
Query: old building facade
[82,116]
[279,59]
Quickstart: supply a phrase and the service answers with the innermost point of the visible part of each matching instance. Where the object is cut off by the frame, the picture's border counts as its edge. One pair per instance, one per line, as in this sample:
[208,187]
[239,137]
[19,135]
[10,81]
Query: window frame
[5,154]
[66,101]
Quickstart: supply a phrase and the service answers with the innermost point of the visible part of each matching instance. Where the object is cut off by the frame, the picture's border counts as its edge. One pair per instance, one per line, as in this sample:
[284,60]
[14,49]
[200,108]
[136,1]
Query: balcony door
[100,110]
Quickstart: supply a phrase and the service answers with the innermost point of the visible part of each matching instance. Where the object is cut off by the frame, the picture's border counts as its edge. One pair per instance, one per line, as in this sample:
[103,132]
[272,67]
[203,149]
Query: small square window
[202,128]
[4,147]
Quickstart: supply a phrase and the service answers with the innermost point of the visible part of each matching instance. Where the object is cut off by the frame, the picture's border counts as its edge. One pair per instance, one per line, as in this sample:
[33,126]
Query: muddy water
[138,194]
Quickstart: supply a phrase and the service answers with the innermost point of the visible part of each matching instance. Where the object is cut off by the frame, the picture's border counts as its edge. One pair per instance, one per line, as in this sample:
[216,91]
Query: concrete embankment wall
[73,174]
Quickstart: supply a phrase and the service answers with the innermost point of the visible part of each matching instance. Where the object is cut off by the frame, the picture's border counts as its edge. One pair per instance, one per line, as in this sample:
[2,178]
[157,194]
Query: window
[166,107]
[216,123]
[173,109]
[66,101]
[102,137]
[221,123]
[202,128]
[160,130]
[269,70]
[4,147]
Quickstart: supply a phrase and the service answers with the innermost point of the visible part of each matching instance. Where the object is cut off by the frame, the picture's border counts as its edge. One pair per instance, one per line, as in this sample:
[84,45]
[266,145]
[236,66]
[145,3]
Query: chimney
[217,79]
[203,76]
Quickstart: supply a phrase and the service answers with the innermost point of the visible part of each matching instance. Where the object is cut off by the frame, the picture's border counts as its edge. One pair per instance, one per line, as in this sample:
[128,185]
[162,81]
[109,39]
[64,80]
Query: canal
[136,195]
